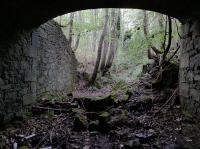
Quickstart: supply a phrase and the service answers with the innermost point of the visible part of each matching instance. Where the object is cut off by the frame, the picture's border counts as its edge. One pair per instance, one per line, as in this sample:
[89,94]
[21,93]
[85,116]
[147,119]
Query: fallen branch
[171,98]
[36,109]
[171,57]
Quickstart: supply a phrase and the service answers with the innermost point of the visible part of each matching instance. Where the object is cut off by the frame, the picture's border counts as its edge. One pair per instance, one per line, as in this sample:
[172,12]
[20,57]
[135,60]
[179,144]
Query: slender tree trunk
[105,48]
[145,23]
[160,21]
[71,22]
[152,51]
[115,35]
[162,62]
[94,75]
[60,20]
[79,34]
[95,32]
[169,38]
[122,15]
[77,42]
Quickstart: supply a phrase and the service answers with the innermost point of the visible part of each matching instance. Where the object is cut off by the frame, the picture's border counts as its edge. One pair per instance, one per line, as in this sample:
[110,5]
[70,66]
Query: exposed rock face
[190,69]
[32,63]
[56,61]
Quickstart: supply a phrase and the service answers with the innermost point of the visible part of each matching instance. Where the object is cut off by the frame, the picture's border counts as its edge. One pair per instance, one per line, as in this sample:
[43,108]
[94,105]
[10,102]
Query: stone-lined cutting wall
[32,63]
[56,62]
[190,69]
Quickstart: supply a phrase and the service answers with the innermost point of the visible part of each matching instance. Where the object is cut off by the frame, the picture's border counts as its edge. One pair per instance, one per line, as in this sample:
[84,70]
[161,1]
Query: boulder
[132,144]
[169,77]
[105,122]
[80,122]
[96,103]
[94,125]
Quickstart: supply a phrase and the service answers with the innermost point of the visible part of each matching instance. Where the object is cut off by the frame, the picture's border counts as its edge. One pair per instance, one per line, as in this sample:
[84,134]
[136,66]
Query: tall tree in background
[160,19]
[115,35]
[145,23]
[105,48]
[71,22]
[95,32]
[79,34]
[152,50]
[166,50]
[94,75]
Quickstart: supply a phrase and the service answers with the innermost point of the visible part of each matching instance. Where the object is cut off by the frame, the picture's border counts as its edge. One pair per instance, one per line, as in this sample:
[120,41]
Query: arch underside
[23,13]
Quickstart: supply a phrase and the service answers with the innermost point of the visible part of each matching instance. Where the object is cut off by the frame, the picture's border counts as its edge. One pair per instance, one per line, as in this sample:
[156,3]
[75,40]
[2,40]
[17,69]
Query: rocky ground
[111,116]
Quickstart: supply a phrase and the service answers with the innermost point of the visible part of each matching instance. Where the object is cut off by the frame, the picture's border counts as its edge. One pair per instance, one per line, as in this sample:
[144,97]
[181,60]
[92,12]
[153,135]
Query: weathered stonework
[190,69]
[32,63]
[56,62]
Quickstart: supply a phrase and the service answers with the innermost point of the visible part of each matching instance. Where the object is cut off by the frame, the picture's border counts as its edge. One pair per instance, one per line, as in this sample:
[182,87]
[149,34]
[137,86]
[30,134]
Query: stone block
[195,95]
[30,58]
[184,60]
[10,94]
[1,82]
[197,78]
[6,87]
[28,99]
[184,89]
[197,43]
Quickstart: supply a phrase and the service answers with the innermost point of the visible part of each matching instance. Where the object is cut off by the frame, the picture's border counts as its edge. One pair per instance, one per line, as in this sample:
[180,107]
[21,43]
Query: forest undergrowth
[106,115]
[126,95]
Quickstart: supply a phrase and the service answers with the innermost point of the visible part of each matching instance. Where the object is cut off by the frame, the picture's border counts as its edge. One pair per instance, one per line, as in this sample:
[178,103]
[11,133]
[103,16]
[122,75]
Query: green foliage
[119,85]
[54,96]
[84,27]
[131,54]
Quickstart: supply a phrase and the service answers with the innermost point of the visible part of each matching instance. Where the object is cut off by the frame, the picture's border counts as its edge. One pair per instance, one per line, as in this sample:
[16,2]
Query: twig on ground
[37,146]
[171,98]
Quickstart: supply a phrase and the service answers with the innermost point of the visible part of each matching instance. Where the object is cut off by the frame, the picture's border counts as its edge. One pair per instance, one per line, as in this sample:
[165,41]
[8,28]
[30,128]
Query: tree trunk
[145,23]
[79,34]
[115,35]
[95,32]
[160,21]
[94,75]
[71,22]
[77,42]
[169,39]
[105,48]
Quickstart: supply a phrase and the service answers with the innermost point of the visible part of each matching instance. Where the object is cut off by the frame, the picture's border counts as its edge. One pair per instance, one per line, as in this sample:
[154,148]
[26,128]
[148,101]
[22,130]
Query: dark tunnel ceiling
[31,13]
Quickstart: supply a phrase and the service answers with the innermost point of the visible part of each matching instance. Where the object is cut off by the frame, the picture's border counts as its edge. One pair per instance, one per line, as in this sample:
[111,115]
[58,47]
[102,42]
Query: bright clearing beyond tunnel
[99,78]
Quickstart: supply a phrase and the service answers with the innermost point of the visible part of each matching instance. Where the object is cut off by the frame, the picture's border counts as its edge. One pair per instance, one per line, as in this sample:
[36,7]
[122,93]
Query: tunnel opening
[124,105]
[18,78]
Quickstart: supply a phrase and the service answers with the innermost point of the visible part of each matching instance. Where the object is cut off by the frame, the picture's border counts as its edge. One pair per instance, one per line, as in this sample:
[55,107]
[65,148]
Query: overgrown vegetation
[132,41]
[125,90]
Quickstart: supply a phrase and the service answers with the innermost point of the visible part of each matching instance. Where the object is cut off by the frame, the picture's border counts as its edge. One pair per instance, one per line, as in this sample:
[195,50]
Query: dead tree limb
[171,57]
[169,38]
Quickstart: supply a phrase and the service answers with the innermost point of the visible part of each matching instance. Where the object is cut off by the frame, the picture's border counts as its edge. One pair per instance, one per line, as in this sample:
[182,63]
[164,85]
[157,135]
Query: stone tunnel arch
[20,17]
[33,13]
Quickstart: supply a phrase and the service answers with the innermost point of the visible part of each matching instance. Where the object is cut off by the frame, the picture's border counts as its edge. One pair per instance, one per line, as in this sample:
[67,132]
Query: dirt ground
[122,116]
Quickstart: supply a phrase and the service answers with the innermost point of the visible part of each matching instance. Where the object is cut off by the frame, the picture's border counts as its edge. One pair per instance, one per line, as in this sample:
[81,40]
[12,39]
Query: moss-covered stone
[94,125]
[119,119]
[80,123]
[169,77]
[121,92]
[96,103]
[105,122]
[145,102]
[105,116]
[131,144]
